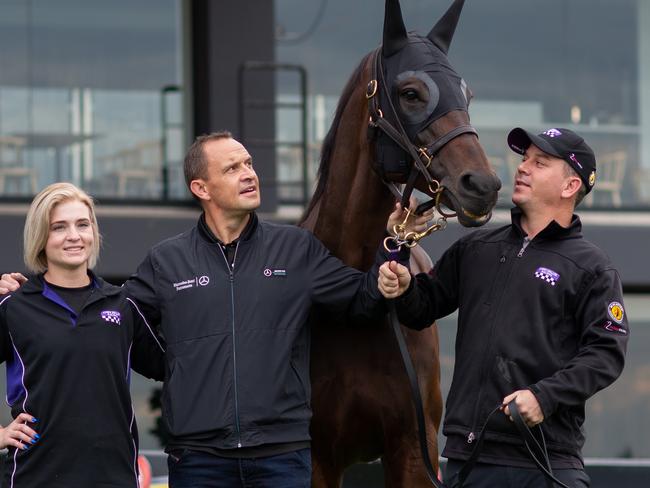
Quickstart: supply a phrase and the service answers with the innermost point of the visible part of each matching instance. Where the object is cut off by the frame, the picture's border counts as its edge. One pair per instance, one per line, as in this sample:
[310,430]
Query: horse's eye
[410,94]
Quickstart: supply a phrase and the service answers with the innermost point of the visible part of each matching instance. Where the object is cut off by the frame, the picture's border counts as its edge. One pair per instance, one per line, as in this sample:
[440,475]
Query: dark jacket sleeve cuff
[544,402]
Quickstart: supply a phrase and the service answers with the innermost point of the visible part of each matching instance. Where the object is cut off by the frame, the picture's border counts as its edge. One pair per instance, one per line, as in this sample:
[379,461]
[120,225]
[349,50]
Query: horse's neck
[350,217]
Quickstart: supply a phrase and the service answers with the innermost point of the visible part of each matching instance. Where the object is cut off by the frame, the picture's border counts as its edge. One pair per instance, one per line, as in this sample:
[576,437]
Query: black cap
[561,143]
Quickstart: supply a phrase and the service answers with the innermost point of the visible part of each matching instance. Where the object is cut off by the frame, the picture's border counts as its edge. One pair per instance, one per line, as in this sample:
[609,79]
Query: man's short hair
[195,165]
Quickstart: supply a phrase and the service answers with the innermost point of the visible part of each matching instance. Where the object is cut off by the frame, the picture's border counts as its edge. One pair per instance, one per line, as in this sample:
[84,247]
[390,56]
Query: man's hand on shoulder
[11,282]
[528,407]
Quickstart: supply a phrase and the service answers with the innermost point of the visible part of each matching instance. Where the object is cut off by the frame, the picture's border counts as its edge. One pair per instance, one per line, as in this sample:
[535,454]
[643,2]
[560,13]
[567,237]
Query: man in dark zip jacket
[541,319]
[232,297]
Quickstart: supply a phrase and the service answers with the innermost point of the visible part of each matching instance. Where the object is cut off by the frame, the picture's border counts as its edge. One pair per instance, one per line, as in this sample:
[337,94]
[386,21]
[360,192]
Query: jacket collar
[37,284]
[247,233]
[552,231]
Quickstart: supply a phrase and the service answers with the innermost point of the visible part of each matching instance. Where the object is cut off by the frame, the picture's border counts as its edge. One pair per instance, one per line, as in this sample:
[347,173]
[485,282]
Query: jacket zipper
[471,436]
[523,247]
[231,278]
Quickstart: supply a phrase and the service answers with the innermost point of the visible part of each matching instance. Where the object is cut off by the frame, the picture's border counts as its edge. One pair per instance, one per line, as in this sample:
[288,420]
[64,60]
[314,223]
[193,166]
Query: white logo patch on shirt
[191,283]
[268,272]
[111,316]
[548,275]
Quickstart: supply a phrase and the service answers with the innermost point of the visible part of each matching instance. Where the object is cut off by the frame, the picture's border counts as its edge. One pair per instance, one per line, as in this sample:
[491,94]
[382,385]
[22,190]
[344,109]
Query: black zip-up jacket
[547,317]
[71,372]
[237,337]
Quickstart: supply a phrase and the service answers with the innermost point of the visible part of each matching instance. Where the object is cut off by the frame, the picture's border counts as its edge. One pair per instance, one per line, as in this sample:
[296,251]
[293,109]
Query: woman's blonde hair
[37,223]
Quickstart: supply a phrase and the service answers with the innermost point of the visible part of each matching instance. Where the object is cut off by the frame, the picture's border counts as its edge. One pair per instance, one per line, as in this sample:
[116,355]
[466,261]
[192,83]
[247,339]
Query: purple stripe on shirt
[51,295]
[137,309]
[135,449]
[16,378]
[128,365]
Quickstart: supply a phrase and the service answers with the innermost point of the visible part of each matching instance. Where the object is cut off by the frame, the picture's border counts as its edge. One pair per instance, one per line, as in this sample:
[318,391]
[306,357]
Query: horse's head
[423,103]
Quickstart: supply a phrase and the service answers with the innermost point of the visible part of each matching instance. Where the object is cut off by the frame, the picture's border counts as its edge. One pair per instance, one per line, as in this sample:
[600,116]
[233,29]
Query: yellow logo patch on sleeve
[616,312]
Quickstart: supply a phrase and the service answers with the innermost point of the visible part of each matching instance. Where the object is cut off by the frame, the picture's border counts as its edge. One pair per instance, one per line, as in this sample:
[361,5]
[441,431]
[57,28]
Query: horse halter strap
[422,156]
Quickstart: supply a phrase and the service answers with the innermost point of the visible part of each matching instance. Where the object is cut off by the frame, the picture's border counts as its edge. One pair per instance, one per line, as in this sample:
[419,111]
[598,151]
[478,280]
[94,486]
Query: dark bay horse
[360,396]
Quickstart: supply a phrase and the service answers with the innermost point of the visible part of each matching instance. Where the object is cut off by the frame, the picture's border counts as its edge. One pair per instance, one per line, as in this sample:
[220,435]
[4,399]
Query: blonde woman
[70,340]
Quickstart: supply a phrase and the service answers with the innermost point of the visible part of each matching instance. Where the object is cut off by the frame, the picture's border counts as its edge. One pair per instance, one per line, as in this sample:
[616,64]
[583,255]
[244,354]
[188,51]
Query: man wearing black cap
[541,319]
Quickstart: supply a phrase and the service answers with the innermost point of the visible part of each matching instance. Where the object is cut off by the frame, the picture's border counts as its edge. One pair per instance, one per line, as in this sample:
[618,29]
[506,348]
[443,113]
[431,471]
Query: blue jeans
[195,469]
[491,475]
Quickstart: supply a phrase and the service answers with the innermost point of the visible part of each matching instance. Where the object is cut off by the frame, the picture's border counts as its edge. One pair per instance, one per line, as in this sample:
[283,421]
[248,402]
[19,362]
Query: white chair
[12,167]
[610,171]
[138,165]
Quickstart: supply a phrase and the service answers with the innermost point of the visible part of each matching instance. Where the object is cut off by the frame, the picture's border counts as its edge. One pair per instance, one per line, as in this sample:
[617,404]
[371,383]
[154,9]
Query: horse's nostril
[479,184]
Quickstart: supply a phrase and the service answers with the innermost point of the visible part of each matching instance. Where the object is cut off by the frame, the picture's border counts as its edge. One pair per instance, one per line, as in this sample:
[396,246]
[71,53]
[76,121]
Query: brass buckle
[380,115]
[423,152]
[436,189]
[371,91]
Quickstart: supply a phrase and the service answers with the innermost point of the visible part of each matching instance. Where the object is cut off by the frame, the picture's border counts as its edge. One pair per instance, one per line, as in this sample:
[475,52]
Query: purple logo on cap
[111,316]
[573,158]
[553,133]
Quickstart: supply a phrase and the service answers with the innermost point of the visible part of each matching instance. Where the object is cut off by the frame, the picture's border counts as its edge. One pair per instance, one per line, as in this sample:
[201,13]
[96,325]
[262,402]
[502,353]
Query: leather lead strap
[530,440]
[417,397]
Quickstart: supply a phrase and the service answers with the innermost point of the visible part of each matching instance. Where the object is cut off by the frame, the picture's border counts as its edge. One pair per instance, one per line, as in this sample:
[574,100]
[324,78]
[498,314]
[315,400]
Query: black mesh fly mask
[394,129]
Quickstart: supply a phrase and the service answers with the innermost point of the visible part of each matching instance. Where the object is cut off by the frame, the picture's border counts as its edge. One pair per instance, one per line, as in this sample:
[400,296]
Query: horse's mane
[328,142]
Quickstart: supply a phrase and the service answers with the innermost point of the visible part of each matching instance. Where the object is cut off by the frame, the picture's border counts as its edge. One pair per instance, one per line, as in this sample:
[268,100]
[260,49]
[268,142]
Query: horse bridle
[422,156]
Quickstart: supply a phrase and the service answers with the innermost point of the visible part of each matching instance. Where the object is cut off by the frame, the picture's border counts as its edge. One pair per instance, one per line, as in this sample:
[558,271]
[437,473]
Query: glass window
[581,64]
[90,92]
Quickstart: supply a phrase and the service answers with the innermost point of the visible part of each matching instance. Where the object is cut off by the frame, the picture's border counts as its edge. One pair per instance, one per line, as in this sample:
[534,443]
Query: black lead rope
[415,392]
[531,442]
[533,445]
[419,412]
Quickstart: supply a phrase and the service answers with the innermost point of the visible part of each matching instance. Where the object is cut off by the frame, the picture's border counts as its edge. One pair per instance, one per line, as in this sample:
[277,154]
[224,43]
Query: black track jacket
[71,372]
[237,337]
[549,318]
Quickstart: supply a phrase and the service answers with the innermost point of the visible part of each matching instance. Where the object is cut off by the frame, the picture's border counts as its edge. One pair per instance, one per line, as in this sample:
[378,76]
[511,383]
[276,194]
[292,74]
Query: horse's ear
[395,36]
[443,31]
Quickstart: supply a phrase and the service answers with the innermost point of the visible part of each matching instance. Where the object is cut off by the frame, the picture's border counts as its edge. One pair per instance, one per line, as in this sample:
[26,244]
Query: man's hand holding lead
[414,223]
[393,280]
[527,405]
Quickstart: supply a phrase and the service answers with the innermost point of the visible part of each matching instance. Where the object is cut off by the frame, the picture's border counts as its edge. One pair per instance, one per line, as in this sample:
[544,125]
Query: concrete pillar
[225,34]
[643,30]
[644,80]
